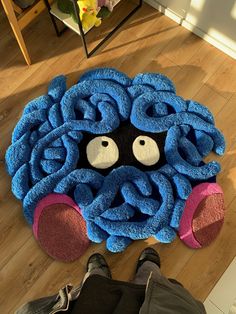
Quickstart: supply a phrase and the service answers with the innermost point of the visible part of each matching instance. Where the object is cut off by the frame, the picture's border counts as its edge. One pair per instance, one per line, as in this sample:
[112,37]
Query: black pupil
[104,143]
[142,142]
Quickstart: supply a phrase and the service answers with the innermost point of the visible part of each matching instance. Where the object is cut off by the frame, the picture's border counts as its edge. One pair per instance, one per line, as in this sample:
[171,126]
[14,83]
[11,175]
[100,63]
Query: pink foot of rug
[203,215]
[60,228]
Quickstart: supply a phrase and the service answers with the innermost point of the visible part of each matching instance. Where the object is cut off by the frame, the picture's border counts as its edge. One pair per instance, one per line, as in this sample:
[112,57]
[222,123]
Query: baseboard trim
[197,31]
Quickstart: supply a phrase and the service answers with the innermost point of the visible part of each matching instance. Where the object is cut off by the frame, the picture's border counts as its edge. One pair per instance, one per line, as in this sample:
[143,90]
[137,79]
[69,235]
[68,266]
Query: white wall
[214,20]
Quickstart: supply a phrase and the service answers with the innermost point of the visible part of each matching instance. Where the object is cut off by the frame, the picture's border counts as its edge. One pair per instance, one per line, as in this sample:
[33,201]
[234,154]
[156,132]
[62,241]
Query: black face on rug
[124,146]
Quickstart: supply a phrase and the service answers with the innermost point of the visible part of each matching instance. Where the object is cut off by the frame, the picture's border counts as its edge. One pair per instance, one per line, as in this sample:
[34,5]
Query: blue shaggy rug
[128,152]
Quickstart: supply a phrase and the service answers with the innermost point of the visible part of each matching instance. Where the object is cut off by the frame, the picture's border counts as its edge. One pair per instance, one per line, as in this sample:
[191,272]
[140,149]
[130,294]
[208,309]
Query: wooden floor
[149,42]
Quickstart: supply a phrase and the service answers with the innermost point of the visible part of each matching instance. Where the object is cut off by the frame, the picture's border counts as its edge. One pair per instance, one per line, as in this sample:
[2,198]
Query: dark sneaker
[148,254]
[96,261]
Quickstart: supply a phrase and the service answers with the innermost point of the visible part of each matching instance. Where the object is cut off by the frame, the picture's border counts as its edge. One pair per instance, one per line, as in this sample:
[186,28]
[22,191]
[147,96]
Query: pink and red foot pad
[203,215]
[60,228]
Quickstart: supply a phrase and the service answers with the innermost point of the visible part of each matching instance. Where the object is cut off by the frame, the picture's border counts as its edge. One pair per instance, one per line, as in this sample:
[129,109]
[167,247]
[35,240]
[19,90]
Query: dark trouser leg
[144,272]
[96,271]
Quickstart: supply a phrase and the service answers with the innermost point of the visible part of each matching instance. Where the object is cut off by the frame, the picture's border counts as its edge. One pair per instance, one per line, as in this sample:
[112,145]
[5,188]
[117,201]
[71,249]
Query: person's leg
[144,272]
[148,262]
[97,265]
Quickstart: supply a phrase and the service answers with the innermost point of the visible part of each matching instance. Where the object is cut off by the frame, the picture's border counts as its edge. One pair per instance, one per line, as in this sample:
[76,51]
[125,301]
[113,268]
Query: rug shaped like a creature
[125,155]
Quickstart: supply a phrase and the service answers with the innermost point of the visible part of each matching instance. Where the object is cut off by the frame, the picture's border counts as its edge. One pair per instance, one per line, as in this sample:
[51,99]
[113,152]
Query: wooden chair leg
[16,29]
[16,8]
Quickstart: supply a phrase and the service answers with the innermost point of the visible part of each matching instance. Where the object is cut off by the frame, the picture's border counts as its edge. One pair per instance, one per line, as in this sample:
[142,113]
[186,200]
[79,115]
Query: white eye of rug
[145,150]
[102,152]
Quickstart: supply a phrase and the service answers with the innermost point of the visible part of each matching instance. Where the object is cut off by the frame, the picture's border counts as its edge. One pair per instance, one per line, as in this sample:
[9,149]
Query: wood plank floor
[148,42]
